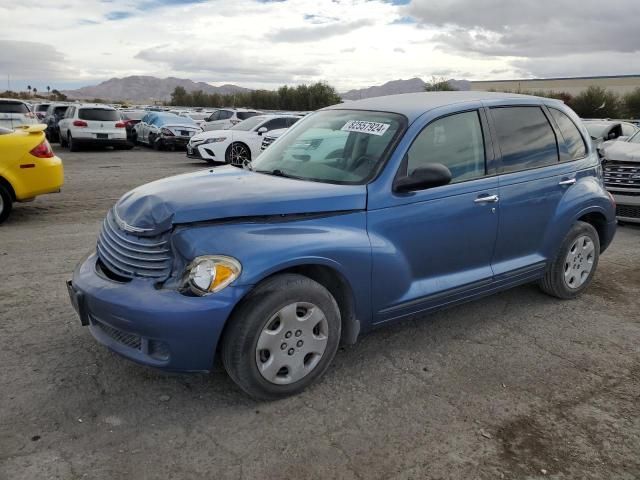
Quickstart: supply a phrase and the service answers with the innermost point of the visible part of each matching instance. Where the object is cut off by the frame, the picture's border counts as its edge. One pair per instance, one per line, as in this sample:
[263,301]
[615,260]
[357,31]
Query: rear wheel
[282,338]
[63,141]
[6,203]
[572,271]
[73,145]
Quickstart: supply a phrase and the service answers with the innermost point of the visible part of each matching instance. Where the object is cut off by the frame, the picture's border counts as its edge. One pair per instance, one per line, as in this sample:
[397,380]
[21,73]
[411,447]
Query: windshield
[98,114]
[333,146]
[248,124]
[245,115]
[132,115]
[635,138]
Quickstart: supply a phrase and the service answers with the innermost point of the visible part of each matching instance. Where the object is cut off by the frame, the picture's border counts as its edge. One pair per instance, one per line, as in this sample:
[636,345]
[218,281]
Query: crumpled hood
[229,192]
[622,151]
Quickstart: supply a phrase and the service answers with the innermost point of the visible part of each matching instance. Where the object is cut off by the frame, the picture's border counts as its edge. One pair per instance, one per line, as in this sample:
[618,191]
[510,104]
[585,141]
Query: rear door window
[13,107]
[572,137]
[455,141]
[525,137]
[98,115]
[224,114]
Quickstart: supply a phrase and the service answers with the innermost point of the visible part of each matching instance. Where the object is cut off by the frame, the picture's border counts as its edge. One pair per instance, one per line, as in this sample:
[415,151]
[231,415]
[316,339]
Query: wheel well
[5,183]
[339,288]
[599,222]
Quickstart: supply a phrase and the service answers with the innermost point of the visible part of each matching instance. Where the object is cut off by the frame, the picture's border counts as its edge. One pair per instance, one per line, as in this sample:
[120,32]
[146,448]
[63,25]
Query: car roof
[12,100]
[412,105]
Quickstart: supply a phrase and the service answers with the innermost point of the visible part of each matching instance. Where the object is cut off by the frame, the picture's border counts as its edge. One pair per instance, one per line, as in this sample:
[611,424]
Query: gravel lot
[518,385]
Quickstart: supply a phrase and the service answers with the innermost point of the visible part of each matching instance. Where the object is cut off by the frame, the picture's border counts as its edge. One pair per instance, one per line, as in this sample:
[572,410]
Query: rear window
[42,107]
[98,114]
[133,115]
[60,110]
[13,107]
[526,138]
[245,115]
[572,137]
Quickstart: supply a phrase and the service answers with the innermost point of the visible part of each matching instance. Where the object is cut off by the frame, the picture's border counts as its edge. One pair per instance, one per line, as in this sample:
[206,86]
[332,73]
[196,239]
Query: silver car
[14,113]
[622,176]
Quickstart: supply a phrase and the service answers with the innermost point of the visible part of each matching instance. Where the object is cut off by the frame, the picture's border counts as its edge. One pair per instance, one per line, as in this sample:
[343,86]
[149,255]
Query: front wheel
[282,338]
[238,155]
[572,271]
[6,203]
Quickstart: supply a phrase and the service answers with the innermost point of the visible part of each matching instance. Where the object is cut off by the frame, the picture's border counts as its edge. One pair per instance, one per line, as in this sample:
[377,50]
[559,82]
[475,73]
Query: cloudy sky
[349,43]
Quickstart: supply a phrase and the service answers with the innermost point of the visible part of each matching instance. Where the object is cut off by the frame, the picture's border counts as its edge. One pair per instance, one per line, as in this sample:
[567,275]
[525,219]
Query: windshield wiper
[278,173]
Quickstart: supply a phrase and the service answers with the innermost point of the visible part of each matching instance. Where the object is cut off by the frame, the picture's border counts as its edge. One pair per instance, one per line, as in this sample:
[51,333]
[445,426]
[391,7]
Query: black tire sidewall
[240,340]
[7,203]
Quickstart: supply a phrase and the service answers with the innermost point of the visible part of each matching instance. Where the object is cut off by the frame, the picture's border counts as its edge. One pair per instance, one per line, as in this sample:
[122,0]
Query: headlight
[210,274]
[215,140]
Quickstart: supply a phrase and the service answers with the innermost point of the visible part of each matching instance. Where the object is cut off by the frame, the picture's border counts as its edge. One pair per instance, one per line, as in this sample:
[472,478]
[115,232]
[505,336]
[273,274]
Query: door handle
[487,199]
[568,181]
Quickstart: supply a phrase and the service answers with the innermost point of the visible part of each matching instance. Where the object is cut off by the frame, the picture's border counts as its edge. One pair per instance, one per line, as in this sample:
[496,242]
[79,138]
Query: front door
[435,246]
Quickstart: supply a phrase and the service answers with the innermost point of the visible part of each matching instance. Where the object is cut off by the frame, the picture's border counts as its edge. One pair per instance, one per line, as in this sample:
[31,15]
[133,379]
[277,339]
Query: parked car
[238,145]
[40,109]
[603,130]
[131,118]
[14,113]
[162,130]
[28,166]
[198,117]
[92,124]
[52,117]
[225,118]
[437,199]
[622,176]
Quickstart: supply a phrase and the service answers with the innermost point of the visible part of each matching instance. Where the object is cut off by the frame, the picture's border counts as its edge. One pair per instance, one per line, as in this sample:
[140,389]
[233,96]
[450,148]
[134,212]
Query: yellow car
[28,166]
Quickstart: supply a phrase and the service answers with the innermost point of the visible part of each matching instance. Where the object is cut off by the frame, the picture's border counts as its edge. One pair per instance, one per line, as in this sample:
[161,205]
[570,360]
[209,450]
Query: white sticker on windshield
[361,126]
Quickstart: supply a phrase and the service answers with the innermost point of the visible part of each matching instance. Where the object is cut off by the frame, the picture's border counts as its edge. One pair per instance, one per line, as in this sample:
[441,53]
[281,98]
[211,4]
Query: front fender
[266,247]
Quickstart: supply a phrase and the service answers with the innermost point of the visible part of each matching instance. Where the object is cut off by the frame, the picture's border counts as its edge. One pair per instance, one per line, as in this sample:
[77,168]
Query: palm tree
[29,88]
[35,90]
[48,90]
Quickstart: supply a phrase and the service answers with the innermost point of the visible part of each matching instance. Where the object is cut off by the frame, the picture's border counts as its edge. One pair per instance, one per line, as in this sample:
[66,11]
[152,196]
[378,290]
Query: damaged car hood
[229,192]
[622,151]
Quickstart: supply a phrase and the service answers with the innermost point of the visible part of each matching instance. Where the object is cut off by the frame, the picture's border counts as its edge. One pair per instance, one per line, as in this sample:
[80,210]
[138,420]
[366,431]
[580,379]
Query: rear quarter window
[98,114]
[572,137]
[525,138]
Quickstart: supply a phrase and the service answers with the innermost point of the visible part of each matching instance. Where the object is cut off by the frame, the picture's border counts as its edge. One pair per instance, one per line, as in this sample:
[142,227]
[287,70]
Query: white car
[198,117]
[162,130]
[272,136]
[92,124]
[225,118]
[14,113]
[239,144]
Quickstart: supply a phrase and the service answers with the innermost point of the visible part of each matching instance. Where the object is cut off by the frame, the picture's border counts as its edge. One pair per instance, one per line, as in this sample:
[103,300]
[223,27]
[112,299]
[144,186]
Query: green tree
[631,102]
[439,84]
[179,96]
[596,102]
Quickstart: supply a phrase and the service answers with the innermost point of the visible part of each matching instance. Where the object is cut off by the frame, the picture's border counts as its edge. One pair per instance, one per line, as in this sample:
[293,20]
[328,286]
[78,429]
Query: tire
[259,316]
[155,145]
[63,141]
[6,203]
[233,155]
[567,277]
[73,146]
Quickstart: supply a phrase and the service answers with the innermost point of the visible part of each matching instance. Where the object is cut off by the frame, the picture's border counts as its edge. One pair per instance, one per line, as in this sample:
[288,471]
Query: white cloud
[349,43]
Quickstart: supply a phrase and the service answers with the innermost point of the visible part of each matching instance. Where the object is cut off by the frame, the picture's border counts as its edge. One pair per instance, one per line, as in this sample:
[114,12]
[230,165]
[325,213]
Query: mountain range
[394,87]
[147,89]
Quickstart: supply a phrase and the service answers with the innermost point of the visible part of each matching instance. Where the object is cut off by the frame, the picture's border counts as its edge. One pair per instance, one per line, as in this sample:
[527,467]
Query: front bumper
[175,141]
[207,152]
[627,207]
[157,327]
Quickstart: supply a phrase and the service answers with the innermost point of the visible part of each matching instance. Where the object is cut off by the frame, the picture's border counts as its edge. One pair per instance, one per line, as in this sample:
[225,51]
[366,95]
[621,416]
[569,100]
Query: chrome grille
[128,255]
[622,174]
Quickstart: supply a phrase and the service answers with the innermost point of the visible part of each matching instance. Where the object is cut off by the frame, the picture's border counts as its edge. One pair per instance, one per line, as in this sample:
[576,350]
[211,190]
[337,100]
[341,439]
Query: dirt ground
[518,385]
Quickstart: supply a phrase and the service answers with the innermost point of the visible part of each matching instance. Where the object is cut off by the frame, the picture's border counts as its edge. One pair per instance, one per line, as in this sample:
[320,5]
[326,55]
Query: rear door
[533,181]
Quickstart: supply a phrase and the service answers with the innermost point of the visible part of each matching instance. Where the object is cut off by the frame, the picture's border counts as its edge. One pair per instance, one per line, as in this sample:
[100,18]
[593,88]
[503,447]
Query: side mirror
[429,176]
[262,130]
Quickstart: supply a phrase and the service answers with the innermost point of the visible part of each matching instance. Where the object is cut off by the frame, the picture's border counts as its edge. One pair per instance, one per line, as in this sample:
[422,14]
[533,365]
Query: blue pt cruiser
[361,214]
